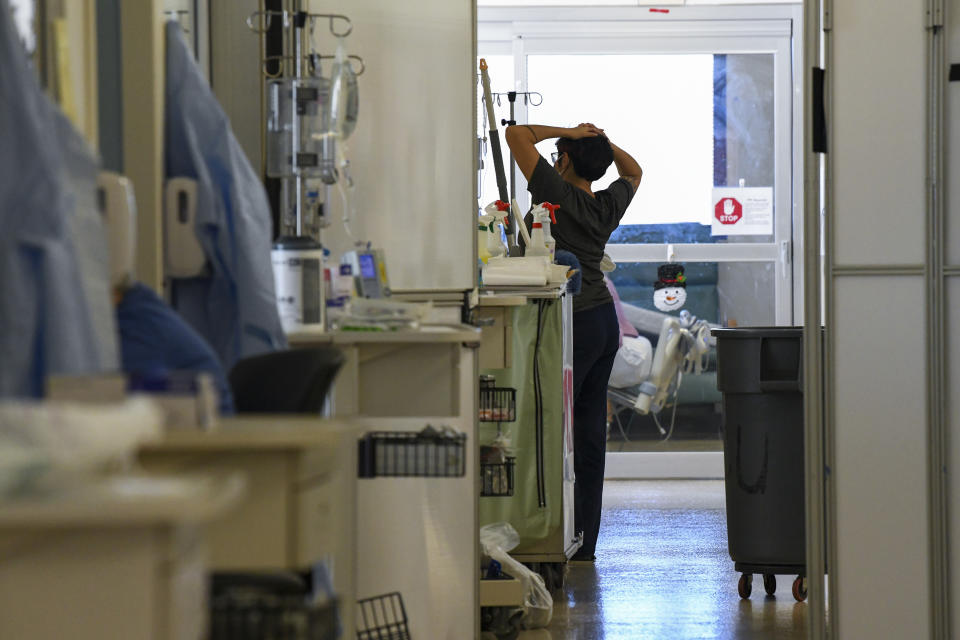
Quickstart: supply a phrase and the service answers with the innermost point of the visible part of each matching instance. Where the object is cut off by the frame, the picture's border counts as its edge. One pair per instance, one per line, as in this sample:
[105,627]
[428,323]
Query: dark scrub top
[584,225]
[153,337]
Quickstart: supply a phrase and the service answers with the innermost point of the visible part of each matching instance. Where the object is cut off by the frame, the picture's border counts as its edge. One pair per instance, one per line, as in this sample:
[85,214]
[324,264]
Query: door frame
[707,29]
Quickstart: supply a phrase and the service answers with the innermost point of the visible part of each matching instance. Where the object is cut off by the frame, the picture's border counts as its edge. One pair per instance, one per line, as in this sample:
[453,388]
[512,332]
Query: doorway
[708,100]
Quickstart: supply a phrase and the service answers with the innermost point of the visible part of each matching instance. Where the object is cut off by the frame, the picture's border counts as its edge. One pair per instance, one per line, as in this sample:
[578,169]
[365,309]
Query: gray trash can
[760,374]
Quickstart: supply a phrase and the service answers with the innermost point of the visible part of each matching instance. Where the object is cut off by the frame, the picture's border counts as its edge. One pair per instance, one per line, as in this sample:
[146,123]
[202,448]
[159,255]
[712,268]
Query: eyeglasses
[555,156]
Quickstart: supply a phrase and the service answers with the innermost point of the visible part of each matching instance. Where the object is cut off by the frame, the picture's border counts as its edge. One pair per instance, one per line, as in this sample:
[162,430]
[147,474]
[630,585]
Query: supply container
[297,276]
[298,115]
[759,372]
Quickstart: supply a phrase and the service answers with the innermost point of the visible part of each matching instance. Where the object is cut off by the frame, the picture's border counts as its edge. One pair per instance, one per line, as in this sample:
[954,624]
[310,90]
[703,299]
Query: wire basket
[429,453]
[382,618]
[257,616]
[498,404]
[496,479]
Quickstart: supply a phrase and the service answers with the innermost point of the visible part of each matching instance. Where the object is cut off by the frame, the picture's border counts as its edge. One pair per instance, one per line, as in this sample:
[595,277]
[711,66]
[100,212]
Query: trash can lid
[758,332]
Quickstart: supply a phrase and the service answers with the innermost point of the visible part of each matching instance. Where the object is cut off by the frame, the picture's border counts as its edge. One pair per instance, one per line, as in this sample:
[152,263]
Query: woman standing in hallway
[585,221]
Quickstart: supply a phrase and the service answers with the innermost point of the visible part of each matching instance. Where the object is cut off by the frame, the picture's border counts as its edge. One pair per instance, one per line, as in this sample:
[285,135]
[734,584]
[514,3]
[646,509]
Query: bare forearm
[522,139]
[534,133]
[626,165]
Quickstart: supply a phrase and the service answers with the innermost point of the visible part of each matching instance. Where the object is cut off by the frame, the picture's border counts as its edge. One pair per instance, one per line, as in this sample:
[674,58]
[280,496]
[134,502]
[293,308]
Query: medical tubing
[538,404]
[673,417]
[346,210]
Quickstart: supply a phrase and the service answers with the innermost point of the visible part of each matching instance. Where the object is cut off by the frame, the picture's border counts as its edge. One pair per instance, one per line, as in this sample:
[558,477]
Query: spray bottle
[483,233]
[541,241]
[499,213]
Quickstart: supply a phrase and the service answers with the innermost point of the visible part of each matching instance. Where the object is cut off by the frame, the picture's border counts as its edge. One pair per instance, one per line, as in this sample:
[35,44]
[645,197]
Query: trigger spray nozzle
[545,212]
[500,211]
[504,209]
[552,208]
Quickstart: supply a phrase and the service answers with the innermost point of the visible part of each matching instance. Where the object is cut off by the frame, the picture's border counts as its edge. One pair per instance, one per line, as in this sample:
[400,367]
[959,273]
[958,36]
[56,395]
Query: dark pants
[596,338]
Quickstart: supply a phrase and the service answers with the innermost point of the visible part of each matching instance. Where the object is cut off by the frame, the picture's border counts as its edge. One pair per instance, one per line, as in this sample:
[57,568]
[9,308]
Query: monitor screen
[367,267]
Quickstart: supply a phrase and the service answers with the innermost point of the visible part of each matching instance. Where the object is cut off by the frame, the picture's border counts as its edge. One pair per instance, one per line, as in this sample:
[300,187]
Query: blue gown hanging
[234,307]
[55,307]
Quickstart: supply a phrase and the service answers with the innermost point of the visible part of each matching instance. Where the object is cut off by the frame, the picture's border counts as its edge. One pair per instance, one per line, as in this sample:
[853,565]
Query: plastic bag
[632,364]
[344,95]
[496,540]
[55,443]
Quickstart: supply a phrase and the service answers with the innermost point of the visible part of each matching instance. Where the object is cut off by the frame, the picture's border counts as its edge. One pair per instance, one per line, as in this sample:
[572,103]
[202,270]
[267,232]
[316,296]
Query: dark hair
[591,157]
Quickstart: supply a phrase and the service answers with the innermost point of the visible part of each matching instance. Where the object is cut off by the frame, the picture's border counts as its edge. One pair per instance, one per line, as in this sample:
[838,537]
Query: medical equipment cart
[528,345]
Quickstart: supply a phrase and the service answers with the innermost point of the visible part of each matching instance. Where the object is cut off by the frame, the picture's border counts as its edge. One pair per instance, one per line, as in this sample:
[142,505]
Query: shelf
[429,334]
[429,453]
[127,499]
[496,479]
[531,292]
[494,300]
[506,591]
[498,404]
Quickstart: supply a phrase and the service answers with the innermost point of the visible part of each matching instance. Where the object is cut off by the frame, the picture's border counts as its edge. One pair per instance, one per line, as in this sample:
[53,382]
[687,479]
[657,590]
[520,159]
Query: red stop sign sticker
[728,211]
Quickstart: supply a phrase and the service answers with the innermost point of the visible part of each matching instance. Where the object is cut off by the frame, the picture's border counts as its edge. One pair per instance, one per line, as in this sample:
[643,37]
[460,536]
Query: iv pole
[512,99]
[295,21]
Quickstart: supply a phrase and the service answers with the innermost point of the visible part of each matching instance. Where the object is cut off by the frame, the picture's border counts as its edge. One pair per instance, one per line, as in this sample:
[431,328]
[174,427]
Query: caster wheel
[559,571]
[800,589]
[546,572]
[745,586]
[770,583]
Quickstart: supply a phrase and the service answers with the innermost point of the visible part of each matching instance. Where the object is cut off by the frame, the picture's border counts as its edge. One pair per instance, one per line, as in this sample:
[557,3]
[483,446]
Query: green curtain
[535,512]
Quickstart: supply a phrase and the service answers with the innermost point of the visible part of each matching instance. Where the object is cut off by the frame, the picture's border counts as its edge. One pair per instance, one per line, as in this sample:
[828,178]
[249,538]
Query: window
[500,69]
[659,108]
[702,106]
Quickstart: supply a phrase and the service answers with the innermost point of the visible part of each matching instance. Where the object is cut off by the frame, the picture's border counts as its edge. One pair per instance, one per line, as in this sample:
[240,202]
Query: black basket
[498,404]
[382,618]
[256,616]
[411,454]
[496,479]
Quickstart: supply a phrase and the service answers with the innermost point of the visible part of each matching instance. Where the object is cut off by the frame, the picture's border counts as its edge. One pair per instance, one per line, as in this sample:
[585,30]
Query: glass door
[709,119]
[707,110]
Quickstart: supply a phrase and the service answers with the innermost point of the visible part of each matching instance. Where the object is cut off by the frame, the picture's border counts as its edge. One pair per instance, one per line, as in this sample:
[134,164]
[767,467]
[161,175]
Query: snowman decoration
[670,289]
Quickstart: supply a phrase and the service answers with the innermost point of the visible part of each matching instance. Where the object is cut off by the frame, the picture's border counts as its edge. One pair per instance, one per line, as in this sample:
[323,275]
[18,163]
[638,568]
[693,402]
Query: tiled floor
[663,572]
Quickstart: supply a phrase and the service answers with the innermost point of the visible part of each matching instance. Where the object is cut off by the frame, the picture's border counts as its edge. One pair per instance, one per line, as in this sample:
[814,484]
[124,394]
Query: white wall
[235,71]
[879,363]
[953,426]
[412,154]
[413,150]
[952,178]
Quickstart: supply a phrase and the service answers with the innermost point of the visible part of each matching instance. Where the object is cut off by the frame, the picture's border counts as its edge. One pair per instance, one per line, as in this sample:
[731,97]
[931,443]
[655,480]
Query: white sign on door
[742,211]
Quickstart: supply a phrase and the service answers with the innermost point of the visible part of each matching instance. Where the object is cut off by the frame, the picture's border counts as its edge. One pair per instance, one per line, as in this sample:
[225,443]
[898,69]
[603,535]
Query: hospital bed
[648,379]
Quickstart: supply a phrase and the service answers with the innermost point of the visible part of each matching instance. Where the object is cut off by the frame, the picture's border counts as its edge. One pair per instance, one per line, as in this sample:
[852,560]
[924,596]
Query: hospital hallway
[663,573]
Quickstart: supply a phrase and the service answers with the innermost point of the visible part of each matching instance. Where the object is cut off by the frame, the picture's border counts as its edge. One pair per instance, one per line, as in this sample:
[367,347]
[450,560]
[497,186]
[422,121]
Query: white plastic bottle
[483,234]
[497,212]
[538,245]
[541,241]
